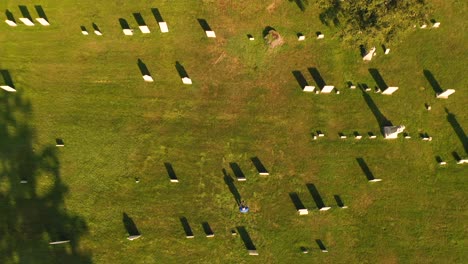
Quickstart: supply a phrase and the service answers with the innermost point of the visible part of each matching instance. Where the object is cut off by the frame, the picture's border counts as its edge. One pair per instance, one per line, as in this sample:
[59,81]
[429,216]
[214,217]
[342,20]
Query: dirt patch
[274,39]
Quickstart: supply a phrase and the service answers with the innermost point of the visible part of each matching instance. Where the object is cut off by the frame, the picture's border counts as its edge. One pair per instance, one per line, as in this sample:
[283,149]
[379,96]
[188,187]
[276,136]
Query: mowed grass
[244,102]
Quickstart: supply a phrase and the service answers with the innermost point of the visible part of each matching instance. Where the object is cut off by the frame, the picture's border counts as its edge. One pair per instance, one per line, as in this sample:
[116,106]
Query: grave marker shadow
[204,25]
[434,83]
[7,78]
[317,77]
[130,226]
[170,171]
[249,245]
[40,12]
[315,195]
[458,129]
[296,201]
[338,200]
[365,169]
[181,70]
[157,15]
[378,78]
[381,119]
[232,187]
[207,229]
[267,30]
[321,245]
[95,27]
[123,23]
[139,19]
[143,69]
[10,15]
[186,226]
[300,79]
[237,171]
[25,12]
[259,166]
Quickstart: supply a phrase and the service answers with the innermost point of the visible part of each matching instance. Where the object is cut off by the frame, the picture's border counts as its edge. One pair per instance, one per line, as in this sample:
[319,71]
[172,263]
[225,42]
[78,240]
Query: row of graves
[388,131]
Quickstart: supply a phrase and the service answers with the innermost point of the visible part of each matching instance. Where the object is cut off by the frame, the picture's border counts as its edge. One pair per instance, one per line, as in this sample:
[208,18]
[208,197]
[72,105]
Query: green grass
[244,102]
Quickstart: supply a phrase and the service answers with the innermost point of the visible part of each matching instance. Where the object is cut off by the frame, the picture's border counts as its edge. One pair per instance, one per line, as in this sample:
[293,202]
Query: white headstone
[308,88]
[320,134]
[358,137]
[320,36]
[42,21]
[174,180]
[186,80]
[462,161]
[97,32]
[144,29]
[8,88]
[326,208]
[241,179]
[26,21]
[424,26]
[253,252]
[128,32]
[375,180]
[163,27]
[23,181]
[301,38]
[210,34]
[263,173]
[251,38]
[11,23]
[436,25]
[387,51]
[369,55]
[442,163]
[392,132]
[372,136]
[133,237]
[84,32]
[352,87]
[303,211]
[342,136]
[390,90]
[446,93]
[147,78]
[327,89]
[189,236]
[210,235]
[59,242]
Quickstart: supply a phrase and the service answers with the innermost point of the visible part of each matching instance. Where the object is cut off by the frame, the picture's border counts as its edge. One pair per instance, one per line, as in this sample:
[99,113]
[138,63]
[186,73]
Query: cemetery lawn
[244,103]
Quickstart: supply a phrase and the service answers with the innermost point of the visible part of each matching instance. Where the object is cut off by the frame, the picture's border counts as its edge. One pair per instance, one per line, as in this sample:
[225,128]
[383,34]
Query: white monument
[390,90]
[392,132]
[251,38]
[97,32]
[301,37]
[59,242]
[424,26]
[147,78]
[308,88]
[462,161]
[325,208]
[128,32]
[43,21]
[327,89]
[163,27]
[369,55]
[375,180]
[84,32]
[320,36]
[133,237]
[436,25]
[387,51]
[253,252]
[26,21]
[186,80]
[303,211]
[174,180]
[210,34]
[446,94]
[8,88]
[144,29]
[10,23]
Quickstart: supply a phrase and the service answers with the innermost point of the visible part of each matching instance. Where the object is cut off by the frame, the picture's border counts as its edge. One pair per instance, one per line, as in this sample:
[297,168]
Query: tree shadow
[249,245]
[232,187]
[9,15]
[434,83]
[381,119]
[40,12]
[330,13]
[130,225]
[32,216]
[143,69]
[157,15]
[6,78]
[317,77]
[25,12]
[139,19]
[302,4]
[365,169]
[458,129]
[301,80]
[315,195]
[296,201]
[378,78]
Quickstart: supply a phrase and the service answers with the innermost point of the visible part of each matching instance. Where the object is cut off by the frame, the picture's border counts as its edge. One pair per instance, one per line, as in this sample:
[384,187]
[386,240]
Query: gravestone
[10,23]
[387,51]
[391,132]
[320,36]
[128,32]
[97,32]
[133,237]
[23,181]
[390,90]
[300,37]
[59,242]
[8,88]
[251,37]
[253,252]
[375,180]
[343,136]
[423,26]
[163,27]
[308,88]
[147,78]
[144,29]
[303,211]
[462,161]
[357,135]
[442,163]
[446,94]
[325,208]
[436,25]
[174,180]
[320,134]
[59,143]
[42,21]
[327,89]
[26,21]
[210,34]
[186,80]
[84,32]
[369,55]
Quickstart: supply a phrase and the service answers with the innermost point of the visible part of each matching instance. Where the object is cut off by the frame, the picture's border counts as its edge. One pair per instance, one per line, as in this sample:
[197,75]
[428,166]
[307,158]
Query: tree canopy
[372,22]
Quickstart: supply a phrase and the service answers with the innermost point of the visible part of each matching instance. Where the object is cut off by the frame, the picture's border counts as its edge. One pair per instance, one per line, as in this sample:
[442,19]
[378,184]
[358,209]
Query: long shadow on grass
[9,15]
[246,238]
[432,80]
[296,201]
[40,11]
[130,225]
[458,129]
[6,78]
[315,195]
[139,19]
[123,23]
[317,77]
[301,80]
[143,69]
[232,187]
[25,12]
[186,226]
[365,169]
[204,25]
[32,208]
[378,78]
[157,15]
[381,119]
